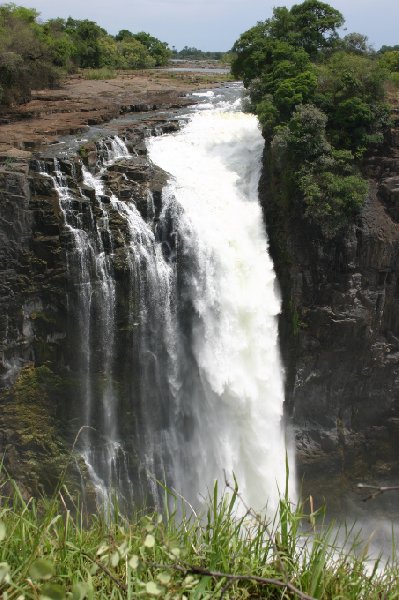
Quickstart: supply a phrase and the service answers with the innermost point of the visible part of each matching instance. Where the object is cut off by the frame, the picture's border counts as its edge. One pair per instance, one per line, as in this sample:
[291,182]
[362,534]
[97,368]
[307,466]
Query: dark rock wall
[39,337]
[32,270]
[340,331]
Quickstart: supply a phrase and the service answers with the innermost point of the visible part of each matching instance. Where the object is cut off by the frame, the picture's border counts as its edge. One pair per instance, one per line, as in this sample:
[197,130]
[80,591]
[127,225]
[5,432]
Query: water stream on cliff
[174,317]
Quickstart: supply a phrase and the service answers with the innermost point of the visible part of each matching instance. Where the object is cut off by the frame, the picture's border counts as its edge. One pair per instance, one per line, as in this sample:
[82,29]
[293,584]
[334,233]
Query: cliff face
[340,331]
[42,290]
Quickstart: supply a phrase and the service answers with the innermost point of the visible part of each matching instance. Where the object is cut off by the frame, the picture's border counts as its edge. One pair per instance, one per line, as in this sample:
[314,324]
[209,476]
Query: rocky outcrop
[339,332]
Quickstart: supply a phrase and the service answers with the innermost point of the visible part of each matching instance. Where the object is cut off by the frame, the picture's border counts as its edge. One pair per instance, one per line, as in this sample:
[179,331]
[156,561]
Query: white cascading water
[180,369]
[90,269]
[235,407]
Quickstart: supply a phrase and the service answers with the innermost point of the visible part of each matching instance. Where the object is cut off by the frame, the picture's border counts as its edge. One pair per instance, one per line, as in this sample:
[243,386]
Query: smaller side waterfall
[92,303]
[118,274]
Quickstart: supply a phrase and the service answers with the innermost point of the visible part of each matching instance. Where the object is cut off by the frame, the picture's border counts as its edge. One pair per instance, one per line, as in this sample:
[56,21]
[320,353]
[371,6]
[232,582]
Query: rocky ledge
[80,103]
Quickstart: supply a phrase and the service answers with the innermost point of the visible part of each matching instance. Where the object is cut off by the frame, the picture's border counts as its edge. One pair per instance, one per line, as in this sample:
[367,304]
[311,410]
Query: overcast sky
[214,24]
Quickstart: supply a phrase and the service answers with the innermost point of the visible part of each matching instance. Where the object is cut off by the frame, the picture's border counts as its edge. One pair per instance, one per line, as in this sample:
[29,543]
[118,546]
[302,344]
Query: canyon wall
[339,330]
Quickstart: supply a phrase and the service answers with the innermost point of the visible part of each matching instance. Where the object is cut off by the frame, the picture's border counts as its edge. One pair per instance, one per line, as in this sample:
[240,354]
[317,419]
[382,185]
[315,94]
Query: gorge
[118,315]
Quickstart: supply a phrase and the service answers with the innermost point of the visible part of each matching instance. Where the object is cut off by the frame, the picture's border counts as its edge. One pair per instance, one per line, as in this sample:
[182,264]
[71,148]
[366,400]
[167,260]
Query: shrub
[331,200]
[97,74]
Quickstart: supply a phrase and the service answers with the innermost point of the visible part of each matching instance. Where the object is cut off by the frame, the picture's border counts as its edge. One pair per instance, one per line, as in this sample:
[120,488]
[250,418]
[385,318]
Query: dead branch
[189,569]
[378,490]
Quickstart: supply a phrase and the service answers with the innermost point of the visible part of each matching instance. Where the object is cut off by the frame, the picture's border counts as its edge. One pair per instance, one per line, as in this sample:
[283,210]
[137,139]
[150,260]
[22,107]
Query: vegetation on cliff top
[34,53]
[320,102]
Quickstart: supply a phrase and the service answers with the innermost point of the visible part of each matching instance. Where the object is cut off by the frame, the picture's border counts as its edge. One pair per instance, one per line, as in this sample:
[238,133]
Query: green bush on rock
[332,200]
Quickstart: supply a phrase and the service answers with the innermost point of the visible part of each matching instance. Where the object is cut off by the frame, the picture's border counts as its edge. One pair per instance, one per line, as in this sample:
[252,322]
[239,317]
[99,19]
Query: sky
[214,24]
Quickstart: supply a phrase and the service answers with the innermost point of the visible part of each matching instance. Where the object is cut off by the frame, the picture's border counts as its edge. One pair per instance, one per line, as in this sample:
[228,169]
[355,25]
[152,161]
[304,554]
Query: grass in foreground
[46,553]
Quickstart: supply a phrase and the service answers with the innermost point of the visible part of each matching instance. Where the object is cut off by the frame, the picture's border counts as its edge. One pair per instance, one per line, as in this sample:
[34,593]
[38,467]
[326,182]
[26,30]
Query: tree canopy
[320,102]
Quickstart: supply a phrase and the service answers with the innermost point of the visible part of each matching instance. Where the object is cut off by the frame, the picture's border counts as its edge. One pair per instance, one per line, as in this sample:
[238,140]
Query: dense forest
[35,54]
[321,102]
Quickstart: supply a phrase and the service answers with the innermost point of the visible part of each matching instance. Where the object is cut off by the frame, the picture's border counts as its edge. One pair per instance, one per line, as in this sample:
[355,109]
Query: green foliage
[390,61]
[133,55]
[307,134]
[394,79]
[192,53]
[320,103]
[268,114]
[310,26]
[253,53]
[227,58]
[228,552]
[315,25]
[151,51]
[99,74]
[356,43]
[110,55]
[351,92]
[331,200]
[331,191]
[31,51]
[24,58]
[159,51]
[86,36]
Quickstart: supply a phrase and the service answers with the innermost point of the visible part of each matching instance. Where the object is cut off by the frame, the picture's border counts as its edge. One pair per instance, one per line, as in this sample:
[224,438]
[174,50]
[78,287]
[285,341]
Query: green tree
[25,61]
[59,42]
[320,103]
[86,35]
[315,25]
[123,34]
[253,53]
[351,92]
[310,26]
[389,60]
[356,43]
[331,199]
[110,55]
[134,55]
[159,51]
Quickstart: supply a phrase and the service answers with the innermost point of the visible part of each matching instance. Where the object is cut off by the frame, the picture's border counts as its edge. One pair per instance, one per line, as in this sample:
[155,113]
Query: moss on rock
[35,450]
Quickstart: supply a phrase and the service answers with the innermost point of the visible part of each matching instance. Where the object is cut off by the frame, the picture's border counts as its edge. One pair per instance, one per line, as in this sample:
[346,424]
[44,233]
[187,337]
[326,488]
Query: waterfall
[229,407]
[174,317]
[92,300]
